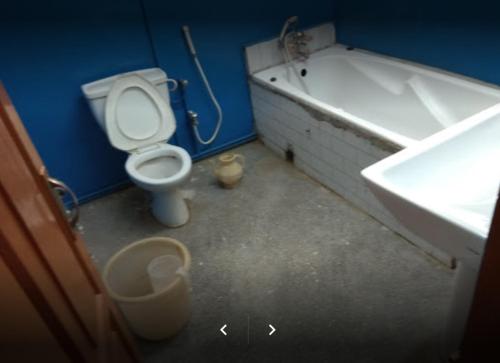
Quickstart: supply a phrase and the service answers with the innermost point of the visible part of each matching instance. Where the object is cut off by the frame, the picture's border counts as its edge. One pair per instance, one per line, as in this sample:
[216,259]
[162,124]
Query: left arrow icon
[222,329]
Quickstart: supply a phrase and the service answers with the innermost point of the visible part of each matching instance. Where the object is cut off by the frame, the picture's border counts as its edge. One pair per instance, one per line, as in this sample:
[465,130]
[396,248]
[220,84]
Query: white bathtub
[354,108]
[388,98]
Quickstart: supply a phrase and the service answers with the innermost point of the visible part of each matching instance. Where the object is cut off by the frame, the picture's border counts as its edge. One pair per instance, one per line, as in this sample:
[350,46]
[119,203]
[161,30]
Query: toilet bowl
[134,110]
[162,171]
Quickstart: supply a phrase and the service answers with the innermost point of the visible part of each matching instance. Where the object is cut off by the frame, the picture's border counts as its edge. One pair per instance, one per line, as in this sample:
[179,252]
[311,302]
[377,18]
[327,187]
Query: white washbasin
[445,187]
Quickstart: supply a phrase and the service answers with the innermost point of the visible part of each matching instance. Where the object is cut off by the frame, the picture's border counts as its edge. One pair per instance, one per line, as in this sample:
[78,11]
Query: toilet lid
[137,115]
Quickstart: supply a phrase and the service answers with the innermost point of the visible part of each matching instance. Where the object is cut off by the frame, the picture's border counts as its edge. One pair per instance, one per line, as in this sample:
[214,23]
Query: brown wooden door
[482,334]
[49,264]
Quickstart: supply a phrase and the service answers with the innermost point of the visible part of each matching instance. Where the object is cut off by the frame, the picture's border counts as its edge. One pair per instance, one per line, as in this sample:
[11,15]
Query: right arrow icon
[272,329]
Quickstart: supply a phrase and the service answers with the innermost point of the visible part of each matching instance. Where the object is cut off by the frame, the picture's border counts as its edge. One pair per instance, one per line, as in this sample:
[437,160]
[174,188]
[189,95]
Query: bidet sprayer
[193,116]
[189,41]
[291,20]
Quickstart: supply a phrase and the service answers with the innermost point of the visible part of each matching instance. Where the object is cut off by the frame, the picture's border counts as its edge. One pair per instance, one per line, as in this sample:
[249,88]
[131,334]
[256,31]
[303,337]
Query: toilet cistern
[134,111]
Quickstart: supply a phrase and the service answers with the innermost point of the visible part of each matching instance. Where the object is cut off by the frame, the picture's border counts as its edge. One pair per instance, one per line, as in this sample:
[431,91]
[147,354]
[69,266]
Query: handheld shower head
[193,116]
[291,20]
[189,41]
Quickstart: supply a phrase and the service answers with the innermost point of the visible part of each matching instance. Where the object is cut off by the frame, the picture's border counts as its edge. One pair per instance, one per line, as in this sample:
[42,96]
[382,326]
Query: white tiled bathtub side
[332,156]
[267,54]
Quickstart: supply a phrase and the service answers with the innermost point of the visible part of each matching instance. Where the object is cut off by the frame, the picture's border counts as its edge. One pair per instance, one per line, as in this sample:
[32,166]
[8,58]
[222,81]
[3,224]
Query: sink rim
[376,173]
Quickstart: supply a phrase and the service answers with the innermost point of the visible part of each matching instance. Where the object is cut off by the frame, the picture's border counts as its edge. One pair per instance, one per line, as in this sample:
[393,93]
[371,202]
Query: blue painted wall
[50,48]
[459,36]
[220,29]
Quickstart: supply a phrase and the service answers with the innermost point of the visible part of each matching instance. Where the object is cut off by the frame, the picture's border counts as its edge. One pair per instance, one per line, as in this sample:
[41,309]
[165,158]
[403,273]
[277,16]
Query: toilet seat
[135,161]
[136,115]
[140,121]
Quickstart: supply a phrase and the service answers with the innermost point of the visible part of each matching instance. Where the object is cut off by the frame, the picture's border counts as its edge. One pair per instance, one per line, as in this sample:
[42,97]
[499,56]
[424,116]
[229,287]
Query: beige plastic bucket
[151,314]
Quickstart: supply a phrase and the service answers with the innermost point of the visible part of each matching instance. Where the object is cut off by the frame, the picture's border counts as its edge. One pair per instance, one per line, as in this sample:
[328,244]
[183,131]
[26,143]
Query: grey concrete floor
[281,249]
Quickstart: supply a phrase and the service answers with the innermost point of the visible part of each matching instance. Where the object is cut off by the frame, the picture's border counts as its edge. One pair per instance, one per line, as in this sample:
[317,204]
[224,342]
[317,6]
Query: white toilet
[134,110]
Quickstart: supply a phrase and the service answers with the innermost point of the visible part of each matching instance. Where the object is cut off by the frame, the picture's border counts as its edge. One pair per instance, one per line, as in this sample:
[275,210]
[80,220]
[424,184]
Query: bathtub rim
[440,72]
[387,139]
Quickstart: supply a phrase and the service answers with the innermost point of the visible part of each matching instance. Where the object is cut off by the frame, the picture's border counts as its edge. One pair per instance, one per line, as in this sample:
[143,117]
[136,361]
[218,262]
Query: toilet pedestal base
[170,208]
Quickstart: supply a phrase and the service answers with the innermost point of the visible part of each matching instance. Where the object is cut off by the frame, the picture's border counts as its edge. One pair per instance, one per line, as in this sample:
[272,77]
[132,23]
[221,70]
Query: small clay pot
[229,169]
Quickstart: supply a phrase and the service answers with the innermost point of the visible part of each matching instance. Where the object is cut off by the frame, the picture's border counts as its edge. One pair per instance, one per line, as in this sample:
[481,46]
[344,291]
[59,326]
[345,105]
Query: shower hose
[192,50]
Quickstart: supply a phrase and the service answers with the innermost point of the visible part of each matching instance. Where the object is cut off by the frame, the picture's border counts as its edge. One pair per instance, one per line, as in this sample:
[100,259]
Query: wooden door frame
[482,334]
[109,316]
